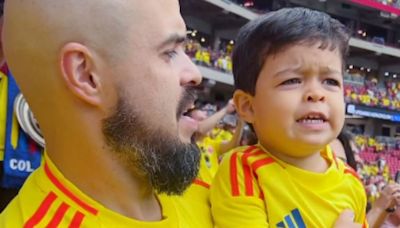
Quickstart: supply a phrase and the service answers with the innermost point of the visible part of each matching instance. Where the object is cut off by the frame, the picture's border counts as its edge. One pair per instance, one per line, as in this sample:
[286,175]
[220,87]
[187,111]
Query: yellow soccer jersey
[3,112]
[254,189]
[47,199]
[224,135]
[209,158]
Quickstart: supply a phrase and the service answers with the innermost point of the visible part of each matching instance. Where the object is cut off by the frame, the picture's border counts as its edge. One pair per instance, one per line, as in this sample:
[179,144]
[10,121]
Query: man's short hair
[274,31]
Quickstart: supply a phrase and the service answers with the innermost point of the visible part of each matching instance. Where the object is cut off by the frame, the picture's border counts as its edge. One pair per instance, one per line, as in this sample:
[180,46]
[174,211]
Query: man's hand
[230,107]
[389,196]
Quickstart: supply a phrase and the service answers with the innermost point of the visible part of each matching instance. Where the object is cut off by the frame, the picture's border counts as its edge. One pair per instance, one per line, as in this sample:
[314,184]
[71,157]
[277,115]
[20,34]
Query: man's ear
[79,74]
[244,105]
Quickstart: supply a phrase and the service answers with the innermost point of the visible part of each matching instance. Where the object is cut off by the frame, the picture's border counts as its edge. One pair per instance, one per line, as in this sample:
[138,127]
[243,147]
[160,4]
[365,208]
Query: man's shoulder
[22,207]
[12,215]
[38,204]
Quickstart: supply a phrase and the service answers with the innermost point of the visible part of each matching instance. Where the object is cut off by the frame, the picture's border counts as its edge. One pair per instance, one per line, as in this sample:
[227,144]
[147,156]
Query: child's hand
[346,220]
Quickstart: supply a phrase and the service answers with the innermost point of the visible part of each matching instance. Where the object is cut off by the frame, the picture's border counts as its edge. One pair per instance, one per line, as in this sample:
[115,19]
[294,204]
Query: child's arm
[231,205]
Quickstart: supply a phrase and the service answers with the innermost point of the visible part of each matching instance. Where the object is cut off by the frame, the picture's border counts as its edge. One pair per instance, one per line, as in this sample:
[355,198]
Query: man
[109,83]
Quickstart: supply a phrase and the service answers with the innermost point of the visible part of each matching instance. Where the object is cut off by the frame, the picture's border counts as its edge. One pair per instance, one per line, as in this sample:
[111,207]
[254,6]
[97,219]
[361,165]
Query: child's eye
[331,82]
[291,81]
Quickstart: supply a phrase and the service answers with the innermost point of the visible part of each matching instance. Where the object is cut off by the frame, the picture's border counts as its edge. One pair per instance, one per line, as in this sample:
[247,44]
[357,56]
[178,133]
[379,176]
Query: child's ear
[244,105]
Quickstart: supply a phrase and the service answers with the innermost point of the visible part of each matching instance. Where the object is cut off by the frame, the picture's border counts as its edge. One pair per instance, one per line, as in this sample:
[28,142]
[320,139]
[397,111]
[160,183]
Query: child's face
[298,107]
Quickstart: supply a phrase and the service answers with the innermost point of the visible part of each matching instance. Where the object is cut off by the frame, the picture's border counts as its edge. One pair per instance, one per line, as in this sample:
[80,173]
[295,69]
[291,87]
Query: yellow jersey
[48,199]
[209,158]
[252,188]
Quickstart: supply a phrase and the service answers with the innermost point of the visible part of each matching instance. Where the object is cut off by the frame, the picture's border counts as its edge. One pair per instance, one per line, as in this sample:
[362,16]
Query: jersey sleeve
[360,197]
[361,205]
[232,203]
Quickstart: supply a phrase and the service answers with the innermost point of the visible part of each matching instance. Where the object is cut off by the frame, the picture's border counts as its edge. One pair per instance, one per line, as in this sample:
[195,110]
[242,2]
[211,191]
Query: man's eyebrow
[174,39]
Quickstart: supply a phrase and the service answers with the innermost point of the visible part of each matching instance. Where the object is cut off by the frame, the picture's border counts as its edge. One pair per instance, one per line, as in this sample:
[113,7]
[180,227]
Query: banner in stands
[373,112]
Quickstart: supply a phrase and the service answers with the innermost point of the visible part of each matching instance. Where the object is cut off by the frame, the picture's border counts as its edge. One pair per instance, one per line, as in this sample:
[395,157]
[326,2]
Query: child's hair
[345,138]
[1,7]
[277,30]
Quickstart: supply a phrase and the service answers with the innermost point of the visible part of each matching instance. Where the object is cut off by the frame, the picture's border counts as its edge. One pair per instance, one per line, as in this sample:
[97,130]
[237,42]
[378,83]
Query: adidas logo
[292,220]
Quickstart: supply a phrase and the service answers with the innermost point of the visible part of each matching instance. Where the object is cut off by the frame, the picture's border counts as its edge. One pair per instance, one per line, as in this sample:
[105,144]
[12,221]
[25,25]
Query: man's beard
[169,165]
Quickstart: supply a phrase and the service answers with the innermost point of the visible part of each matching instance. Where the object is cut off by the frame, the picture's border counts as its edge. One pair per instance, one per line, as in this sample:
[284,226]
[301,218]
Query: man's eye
[170,54]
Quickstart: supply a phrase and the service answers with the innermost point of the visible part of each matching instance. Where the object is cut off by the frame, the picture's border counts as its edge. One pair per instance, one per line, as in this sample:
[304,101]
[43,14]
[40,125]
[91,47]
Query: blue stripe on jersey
[280,225]
[297,217]
[289,221]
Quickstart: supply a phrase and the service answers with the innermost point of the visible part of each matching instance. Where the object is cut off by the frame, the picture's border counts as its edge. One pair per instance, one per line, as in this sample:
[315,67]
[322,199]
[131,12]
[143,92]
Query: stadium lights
[386,74]
[249,3]
[368,69]
[362,68]
[203,39]
[395,76]
[192,33]
[351,67]
[231,42]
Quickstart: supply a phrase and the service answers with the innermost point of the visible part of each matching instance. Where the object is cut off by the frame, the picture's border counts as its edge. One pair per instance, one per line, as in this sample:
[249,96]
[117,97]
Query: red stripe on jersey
[249,149]
[261,162]
[41,211]
[365,223]
[248,181]
[255,166]
[77,220]
[58,216]
[261,194]
[201,183]
[69,194]
[234,175]
[350,168]
[352,172]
